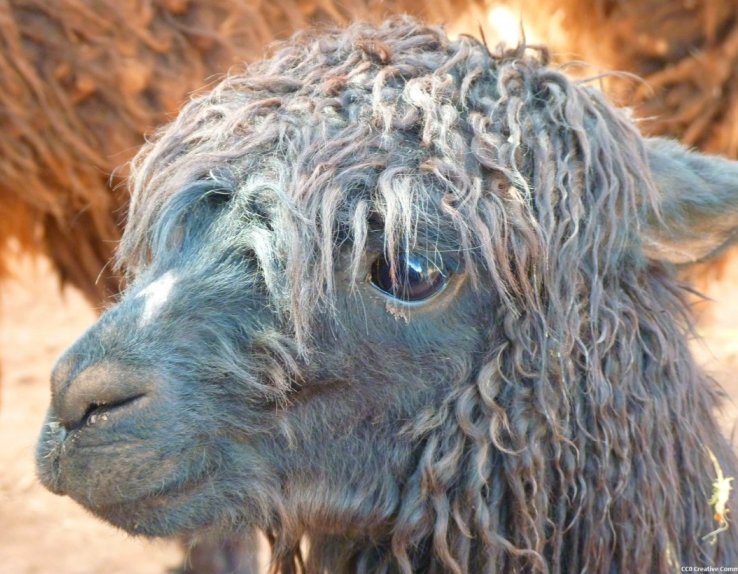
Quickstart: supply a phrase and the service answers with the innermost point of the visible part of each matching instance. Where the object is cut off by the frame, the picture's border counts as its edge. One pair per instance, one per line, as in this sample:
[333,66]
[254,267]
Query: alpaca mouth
[86,464]
[52,474]
[162,512]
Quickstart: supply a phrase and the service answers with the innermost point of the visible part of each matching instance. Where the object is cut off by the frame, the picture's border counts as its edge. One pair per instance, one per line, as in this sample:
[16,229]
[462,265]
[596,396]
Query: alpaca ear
[697,207]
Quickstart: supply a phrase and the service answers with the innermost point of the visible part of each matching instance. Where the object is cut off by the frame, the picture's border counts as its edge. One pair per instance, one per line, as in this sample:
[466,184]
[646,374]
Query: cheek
[405,341]
[356,482]
[376,360]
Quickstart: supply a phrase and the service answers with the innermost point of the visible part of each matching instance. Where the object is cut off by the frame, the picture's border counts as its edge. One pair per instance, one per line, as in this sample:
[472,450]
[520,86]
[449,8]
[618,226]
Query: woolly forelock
[581,441]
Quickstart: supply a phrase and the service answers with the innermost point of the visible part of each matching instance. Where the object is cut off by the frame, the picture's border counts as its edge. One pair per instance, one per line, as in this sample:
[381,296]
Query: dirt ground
[42,533]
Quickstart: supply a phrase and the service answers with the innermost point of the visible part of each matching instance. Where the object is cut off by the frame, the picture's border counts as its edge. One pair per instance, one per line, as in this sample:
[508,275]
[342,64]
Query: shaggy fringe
[581,441]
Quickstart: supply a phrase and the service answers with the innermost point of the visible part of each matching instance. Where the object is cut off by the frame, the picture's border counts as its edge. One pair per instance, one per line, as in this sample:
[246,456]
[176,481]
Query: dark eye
[414,279]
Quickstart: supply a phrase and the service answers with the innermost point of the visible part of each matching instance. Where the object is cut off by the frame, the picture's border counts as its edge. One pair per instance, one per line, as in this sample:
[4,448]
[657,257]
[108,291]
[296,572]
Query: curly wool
[580,442]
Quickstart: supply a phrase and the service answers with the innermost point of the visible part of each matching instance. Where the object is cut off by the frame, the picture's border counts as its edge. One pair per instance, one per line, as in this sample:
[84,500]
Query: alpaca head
[411,298]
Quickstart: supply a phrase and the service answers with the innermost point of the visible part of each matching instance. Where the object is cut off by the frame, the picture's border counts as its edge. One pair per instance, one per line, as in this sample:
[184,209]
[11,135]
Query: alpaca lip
[58,446]
[48,455]
[104,411]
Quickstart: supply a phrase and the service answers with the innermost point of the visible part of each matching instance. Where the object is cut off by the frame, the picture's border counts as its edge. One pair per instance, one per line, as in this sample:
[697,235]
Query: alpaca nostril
[101,410]
[99,391]
[77,411]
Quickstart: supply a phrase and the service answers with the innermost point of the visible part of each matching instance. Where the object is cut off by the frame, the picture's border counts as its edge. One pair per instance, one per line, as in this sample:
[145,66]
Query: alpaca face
[187,404]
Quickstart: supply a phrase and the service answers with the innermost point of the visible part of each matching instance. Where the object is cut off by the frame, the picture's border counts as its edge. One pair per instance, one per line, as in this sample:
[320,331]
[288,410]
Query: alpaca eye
[416,278]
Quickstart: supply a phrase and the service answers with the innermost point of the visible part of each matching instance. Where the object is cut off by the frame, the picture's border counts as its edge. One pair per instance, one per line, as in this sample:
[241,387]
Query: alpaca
[415,301]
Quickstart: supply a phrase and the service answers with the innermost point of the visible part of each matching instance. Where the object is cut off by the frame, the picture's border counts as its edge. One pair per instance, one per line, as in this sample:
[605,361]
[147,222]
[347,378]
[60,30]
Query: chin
[188,508]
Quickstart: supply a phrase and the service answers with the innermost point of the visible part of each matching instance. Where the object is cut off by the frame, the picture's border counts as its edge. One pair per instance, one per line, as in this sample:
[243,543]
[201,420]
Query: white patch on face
[156,295]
